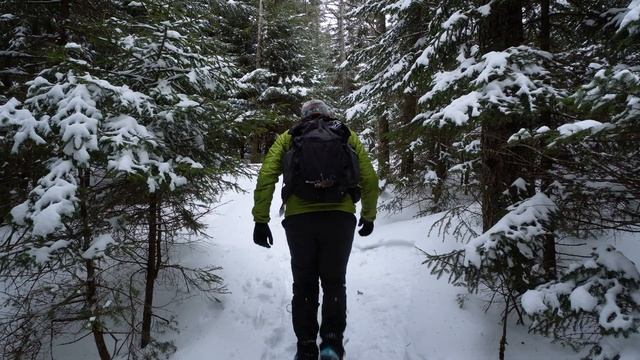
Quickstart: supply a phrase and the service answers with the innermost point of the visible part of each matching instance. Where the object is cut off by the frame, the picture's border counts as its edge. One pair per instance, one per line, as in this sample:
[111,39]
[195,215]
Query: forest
[508,130]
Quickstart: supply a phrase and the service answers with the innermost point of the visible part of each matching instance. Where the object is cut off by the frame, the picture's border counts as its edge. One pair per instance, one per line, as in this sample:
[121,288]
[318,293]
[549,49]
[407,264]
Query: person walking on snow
[326,171]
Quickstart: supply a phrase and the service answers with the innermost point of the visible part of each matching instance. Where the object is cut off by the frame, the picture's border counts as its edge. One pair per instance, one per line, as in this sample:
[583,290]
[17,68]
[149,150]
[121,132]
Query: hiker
[326,171]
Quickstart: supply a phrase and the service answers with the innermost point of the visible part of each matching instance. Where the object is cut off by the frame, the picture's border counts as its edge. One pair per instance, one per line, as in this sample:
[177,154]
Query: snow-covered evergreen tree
[580,183]
[129,125]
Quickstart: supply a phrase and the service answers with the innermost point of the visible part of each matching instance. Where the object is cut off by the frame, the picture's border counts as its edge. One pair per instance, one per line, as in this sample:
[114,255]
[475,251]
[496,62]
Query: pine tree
[126,123]
[556,179]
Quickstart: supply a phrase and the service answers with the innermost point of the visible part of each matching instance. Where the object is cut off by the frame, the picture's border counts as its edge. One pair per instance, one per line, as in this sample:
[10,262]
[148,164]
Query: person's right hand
[367,227]
[262,235]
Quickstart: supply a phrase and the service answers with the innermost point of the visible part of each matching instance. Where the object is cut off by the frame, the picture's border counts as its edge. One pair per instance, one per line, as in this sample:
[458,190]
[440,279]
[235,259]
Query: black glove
[367,227]
[262,235]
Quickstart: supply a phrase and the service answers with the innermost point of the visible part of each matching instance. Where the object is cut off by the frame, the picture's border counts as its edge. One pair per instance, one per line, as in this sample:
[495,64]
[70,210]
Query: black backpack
[320,165]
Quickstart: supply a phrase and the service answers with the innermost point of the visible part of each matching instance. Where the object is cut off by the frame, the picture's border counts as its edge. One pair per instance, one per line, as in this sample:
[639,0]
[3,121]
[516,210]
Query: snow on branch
[603,290]
[53,198]
[630,18]
[507,80]
[520,226]
[12,115]
[615,87]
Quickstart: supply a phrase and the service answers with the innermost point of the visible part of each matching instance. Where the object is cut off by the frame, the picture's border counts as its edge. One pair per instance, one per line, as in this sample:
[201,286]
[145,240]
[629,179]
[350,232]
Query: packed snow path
[396,310]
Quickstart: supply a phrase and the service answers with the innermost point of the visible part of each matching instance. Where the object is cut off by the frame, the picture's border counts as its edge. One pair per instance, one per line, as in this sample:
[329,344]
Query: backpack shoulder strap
[340,128]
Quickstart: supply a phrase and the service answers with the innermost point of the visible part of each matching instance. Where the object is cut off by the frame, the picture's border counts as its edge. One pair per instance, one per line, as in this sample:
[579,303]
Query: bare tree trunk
[91,282]
[152,243]
[501,29]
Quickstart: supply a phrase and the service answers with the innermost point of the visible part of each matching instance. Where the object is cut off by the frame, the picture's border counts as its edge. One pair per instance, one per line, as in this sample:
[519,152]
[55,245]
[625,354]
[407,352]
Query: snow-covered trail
[254,320]
[396,310]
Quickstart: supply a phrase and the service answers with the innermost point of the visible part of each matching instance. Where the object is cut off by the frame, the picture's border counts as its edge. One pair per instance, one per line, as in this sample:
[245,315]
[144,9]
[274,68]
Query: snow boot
[329,354]
[307,350]
[304,357]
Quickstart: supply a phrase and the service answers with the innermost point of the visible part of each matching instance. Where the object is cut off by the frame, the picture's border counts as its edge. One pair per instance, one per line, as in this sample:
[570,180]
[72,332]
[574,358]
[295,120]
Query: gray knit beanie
[315,108]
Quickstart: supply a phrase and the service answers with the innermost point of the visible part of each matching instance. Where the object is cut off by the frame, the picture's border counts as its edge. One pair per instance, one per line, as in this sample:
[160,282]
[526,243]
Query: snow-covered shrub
[599,297]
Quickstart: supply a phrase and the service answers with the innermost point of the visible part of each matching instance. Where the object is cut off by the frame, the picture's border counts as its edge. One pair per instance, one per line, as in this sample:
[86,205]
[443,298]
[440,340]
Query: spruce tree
[125,124]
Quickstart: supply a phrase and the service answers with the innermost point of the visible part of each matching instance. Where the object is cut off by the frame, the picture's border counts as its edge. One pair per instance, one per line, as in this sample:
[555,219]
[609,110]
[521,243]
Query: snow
[41,255]
[581,299]
[614,260]
[453,19]
[522,134]
[299,90]
[520,184]
[185,102]
[72,45]
[460,110]
[55,198]
[539,300]
[12,115]
[543,129]
[98,246]
[502,79]
[396,309]
[533,302]
[632,15]
[356,109]
[522,222]
[611,316]
[190,161]
[570,129]
[172,34]
[495,63]
[485,10]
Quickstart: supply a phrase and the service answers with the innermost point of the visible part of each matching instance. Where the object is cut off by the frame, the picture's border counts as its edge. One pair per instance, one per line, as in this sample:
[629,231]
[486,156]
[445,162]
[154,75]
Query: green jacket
[272,168]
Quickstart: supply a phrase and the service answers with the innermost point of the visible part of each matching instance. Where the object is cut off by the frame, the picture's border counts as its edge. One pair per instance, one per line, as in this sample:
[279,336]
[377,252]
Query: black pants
[320,245]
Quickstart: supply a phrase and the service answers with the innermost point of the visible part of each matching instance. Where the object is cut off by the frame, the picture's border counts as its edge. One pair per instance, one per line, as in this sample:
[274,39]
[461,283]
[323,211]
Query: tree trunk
[254,138]
[549,252]
[380,24]
[441,169]
[545,26]
[344,80]
[64,16]
[259,39]
[409,111]
[384,153]
[152,243]
[501,29]
[91,282]
[159,239]
[255,148]
[503,338]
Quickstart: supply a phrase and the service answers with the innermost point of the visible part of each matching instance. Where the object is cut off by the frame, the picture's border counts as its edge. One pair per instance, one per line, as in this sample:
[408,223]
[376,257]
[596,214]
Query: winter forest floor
[396,309]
